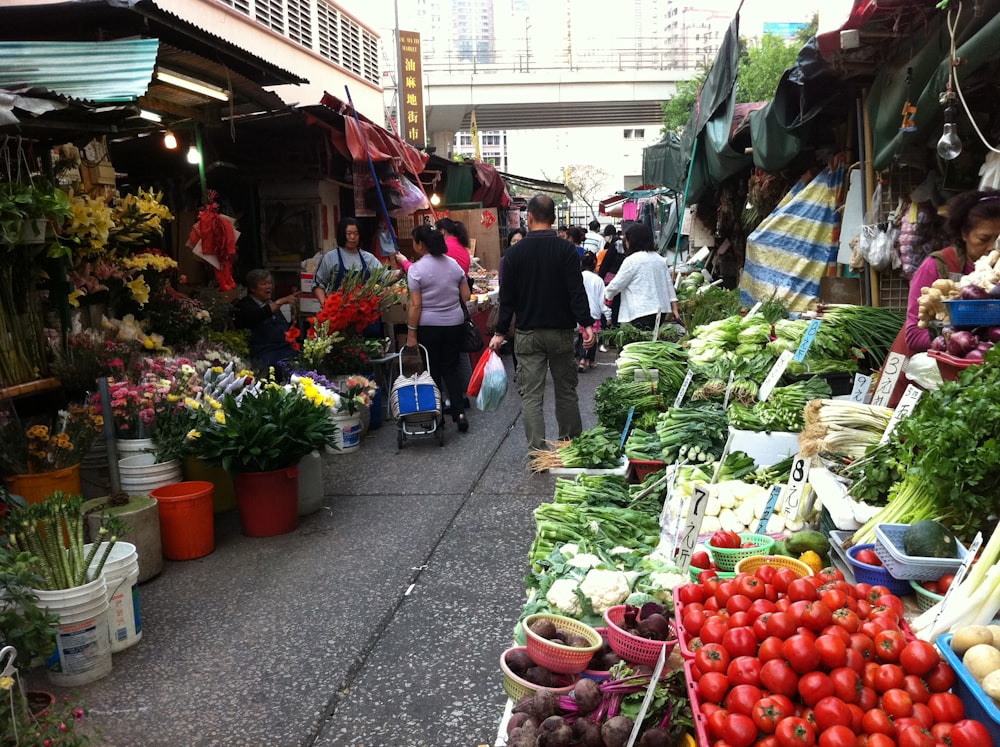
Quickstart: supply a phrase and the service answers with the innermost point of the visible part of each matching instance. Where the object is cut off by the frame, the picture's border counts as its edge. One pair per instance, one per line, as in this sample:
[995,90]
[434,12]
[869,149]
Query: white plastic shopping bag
[494,387]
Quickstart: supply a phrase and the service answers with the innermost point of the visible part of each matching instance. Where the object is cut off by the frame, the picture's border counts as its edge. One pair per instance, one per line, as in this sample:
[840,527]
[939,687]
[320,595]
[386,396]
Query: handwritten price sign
[906,404]
[689,537]
[887,381]
[792,504]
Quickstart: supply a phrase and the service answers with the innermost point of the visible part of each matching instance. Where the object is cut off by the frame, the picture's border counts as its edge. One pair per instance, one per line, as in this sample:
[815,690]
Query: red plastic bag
[476,382]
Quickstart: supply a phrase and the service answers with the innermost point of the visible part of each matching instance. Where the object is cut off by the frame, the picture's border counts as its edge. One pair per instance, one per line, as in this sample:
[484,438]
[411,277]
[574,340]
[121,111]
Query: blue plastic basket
[984,313]
[978,705]
[875,575]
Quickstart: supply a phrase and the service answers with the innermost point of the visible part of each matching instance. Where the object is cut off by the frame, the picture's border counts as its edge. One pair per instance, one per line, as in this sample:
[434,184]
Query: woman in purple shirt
[438,291]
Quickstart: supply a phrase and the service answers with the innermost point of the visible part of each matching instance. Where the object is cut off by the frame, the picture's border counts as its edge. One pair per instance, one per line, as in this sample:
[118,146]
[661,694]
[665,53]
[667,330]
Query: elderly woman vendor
[262,316]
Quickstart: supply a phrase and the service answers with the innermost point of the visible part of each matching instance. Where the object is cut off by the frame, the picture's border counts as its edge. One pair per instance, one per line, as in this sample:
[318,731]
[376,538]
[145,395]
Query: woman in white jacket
[643,281]
[595,296]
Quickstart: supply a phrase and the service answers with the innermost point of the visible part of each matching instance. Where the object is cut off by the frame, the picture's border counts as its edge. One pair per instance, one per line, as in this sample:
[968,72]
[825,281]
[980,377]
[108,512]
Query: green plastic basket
[925,599]
[727,558]
[694,571]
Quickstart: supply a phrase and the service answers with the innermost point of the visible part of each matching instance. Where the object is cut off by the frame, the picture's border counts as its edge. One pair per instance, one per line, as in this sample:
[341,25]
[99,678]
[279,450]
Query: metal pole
[371,166]
[109,434]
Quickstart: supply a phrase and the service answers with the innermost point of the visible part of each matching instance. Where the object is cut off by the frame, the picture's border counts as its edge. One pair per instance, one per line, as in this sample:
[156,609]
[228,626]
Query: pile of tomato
[784,661]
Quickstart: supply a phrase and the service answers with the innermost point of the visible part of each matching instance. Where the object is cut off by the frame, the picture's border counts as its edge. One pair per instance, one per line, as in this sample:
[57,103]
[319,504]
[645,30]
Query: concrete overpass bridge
[516,91]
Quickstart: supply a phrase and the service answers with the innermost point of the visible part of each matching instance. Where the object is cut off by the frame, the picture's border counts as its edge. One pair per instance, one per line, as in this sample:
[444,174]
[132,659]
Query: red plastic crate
[640,469]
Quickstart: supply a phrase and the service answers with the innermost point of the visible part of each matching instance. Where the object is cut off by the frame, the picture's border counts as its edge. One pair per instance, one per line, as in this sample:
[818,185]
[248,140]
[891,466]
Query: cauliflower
[569,549]
[661,585]
[562,596]
[584,560]
[604,589]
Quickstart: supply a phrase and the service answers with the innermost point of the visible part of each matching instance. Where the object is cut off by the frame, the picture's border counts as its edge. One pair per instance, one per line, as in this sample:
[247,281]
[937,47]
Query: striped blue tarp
[795,245]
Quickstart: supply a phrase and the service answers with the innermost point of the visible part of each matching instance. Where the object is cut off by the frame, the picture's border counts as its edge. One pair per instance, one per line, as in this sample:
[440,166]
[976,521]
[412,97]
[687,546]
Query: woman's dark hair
[432,238]
[610,231]
[640,238]
[576,234]
[342,230]
[256,277]
[968,209]
[518,231]
[588,261]
[456,228]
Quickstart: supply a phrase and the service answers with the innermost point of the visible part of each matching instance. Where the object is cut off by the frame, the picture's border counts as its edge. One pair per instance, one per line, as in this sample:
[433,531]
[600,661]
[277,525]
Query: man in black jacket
[543,287]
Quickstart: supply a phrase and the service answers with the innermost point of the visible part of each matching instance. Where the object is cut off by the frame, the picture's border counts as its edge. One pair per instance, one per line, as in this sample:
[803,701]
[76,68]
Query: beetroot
[616,731]
[587,695]
[555,732]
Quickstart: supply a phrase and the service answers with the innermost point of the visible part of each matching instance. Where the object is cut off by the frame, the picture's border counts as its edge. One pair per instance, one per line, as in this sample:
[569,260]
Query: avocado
[801,542]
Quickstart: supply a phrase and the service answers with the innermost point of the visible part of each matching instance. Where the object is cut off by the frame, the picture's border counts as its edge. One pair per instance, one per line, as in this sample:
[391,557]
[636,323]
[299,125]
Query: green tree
[679,108]
[762,67]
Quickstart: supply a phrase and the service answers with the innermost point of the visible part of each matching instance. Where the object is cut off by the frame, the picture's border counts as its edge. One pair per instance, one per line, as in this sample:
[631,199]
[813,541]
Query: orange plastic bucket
[36,487]
[187,523]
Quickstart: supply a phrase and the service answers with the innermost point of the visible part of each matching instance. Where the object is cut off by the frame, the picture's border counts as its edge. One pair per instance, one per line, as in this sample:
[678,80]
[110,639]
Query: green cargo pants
[554,350]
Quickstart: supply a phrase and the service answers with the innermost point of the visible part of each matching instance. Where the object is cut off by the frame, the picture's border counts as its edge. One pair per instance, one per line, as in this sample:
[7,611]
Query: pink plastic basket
[553,655]
[682,634]
[632,648]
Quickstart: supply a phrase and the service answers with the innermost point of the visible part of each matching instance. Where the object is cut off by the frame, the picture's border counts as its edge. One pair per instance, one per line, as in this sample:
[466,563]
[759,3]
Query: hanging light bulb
[435,199]
[169,140]
[193,155]
[949,146]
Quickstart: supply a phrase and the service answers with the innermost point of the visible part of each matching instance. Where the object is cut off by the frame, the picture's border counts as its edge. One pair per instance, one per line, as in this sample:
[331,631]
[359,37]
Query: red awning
[612,206]
[369,139]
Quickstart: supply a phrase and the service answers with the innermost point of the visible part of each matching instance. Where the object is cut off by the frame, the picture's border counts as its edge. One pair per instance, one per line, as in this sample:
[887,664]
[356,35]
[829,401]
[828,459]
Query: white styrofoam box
[765,448]
[833,495]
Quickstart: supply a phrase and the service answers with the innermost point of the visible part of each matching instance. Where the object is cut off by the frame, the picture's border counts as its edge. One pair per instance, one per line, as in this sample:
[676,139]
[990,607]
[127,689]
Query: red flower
[292,336]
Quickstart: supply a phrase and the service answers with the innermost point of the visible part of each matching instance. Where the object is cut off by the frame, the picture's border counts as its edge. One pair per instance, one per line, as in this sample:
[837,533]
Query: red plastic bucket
[187,524]
[268,501]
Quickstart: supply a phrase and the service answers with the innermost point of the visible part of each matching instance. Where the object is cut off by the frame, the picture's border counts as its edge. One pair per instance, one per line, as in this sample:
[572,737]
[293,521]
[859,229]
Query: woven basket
[632,648]
[750,565]
[727,557]
[555,656]
[516,688]
[925,599]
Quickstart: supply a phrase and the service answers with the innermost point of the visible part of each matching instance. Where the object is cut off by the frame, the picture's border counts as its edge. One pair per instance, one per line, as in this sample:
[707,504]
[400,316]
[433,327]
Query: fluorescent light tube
[190,84]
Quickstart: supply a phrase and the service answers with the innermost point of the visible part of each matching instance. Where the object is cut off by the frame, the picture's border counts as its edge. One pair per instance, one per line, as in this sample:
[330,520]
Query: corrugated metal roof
[107,72]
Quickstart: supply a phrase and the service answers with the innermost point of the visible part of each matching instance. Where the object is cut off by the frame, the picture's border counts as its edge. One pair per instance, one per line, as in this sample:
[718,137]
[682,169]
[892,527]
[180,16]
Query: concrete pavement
[378,622]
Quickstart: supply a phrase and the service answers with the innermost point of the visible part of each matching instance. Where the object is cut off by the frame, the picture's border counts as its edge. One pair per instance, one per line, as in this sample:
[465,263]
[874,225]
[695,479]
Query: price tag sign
[684,388]
[794,493]
[692,527]
[807,340]
[906,404]
[668,496]
[729,389]
[773,377]
[887,381]
[962,571]
[769,509]
[654,681]
[862,383]
[754,309]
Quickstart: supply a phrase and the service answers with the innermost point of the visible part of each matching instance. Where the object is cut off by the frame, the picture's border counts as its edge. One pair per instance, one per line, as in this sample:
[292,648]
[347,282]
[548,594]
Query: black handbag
[472,338]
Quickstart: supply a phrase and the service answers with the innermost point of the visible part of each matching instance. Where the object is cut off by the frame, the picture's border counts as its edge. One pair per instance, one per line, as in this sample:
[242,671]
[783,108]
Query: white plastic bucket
[310,483]
[127,447]
[121,574]
[348,432]
[141,473]
[83,649]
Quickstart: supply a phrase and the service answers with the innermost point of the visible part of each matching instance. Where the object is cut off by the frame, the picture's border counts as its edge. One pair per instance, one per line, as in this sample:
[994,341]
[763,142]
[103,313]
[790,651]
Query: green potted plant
[23,624]
[261,436]
[25,208]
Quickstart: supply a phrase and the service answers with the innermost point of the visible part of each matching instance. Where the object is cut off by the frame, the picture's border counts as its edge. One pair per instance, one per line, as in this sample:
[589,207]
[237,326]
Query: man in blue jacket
[543,287]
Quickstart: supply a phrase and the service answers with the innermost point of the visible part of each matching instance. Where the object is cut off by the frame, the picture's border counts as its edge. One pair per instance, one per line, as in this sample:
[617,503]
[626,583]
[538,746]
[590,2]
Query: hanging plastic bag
[476,380]
[494,387]
[411,198]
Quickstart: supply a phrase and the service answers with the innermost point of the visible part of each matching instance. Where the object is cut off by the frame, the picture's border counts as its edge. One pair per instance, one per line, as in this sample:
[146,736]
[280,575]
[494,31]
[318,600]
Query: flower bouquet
[88,355]
[27,449]
[354,392]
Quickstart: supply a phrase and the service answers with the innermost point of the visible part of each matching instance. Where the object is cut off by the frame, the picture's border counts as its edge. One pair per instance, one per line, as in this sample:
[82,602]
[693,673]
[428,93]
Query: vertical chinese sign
[411,89]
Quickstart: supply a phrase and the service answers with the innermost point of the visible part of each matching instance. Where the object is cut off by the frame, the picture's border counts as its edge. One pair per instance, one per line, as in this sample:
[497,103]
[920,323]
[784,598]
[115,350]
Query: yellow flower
[38,431]
[6,683]
[148,343]
[74,297]
[220,417]
[193,434]
[140,290]
[192,403]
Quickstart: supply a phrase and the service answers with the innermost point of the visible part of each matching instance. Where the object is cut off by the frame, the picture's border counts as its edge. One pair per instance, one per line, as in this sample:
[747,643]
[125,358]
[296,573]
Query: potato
[969,636]
[991,684]
[995,630]
[980,660]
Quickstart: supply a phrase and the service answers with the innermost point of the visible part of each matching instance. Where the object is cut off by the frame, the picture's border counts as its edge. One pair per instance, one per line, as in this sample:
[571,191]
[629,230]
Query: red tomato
[864,645]
[867,698]
[766,573]
[932,586]
[856,715]
[847,619]
[888,677]
[816,616]
[969,733]
[795,732]
[922,713]
[744,670]
[880,740]
[739,730]
[725,539]
[690,593]
[740,642]
[814,686]
[783,577]
[846,684]
[877,721]
[781,624]
[888,645]
[738,603]
[832,651]
[916,688]
[831,711]
[867,556]
[897,703]
[946,707]
[944,583]
[712,687]
[918,657]
[701,559]
[770,648]
[778,676]
[751,587]
[716,722]
[854,660]
[762,606]
[837,736]
[714,628]
[830,574]
[768,711]
[915,736]
[941,678]
[942,732]
[741,699]
[693,620]
[834,599]
[760,626]
[712,657]
[801,653]
[892,602]
[801,589]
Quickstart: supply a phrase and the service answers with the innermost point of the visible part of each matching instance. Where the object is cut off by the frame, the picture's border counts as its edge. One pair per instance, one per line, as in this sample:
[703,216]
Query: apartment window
[465,138]
[491,138]
[299,22]
[270,13]
[243,6]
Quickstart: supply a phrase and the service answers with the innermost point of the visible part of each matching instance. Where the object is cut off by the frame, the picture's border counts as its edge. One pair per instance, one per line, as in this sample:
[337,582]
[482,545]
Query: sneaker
[603,348]
[581,369]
